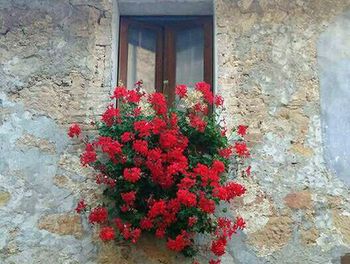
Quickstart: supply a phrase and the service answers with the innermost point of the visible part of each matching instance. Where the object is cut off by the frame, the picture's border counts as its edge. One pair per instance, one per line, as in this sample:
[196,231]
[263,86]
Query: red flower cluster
[111,115]
[132,174]
[74,130]
[80,207]
[98,215]
[164,173]
[241,149]
[181,90]
[179,243]
[107,233]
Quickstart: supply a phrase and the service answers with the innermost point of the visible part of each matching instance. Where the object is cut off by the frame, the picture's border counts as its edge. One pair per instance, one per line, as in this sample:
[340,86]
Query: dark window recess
[165,51]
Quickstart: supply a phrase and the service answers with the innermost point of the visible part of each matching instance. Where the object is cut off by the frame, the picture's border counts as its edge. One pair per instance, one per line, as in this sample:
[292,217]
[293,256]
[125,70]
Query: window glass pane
[189,56]
[141,57]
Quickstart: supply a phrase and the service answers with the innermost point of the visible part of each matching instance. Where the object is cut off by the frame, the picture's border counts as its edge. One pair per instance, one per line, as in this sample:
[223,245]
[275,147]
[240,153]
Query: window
[164,51]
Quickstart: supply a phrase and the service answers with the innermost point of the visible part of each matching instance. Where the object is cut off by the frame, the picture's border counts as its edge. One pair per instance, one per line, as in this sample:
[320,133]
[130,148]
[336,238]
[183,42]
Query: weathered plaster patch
[275,234]
[299,200]
[29,140]
[342,224]
[4,198]
[62,224]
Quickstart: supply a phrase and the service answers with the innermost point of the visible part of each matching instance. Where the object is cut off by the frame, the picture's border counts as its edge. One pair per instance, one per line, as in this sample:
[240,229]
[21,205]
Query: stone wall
[296,210]
[55,68]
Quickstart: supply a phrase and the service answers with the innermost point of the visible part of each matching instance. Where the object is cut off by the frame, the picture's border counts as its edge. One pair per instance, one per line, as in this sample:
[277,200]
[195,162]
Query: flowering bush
[164,170]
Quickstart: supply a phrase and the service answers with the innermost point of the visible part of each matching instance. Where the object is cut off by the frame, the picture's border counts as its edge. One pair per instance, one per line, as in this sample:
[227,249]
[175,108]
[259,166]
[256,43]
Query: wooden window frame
[165,50]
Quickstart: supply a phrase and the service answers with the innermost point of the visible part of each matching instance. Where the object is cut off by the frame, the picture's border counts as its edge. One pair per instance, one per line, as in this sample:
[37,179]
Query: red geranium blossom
[206,205]
[140,146]
[241,149]
[110,116]
[129,197]
[98,215]
[119,92]
[81,206]
[218,100]
[132,174]
[179,243]
[242,130]
[158,208]
[87,157]
[74,130]
[192,220]
[204,88]
[158,102]
[126,137]
[133,96]
[107,233]
[181,90]
[218,246]
[146,223]
[226,152]
[187,198]
[198,123]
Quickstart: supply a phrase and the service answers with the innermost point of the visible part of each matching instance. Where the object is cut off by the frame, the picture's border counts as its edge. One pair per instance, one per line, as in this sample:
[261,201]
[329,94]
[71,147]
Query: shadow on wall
[334,68]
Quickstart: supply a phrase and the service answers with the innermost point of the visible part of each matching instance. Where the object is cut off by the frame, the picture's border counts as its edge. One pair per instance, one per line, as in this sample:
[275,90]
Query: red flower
[197,123]
[218,246]
[146,223]
[206,205]
[160,232]
[135,235]
[154,154]
[202,108]
[225,153]
[242,130]
[158,125]
[204,88]
[212,261]
[107,233]
[110,115]
[167,139]
[88,157]
[143,127]
[81,206]
[133,96]
[140,146]
[158,102]
[137,111]
[218,166]
[112,147]
[192,221]
[119,92]
[158,208]
[229,191]
[132,174]
[181,90]
[218,100]
[126,137]
[186,183]
[241,149]
[240,223]
[186,198]
[179,243]
[74,130]
[129,197]
[98,215]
